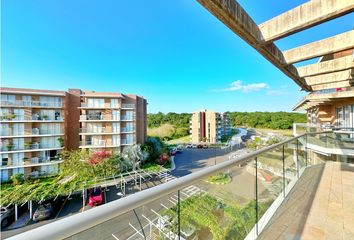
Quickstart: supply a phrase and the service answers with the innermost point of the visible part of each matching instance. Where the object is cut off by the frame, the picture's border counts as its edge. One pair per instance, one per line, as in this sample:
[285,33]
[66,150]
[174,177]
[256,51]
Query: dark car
[47,209]
[7,216]
[95,197]
[199,146]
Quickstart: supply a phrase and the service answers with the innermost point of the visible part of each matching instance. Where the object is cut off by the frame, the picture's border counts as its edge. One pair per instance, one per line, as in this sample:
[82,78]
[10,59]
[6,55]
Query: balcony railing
[20,103]
[33,131]
[253,187]
[98,117]
[127,130]
[99,130]
[126,118]
[12,117]
[128,106]
[126,142]
[27,146]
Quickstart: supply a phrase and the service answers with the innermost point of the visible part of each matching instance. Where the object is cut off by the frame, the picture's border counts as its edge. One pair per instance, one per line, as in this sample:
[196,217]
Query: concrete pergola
[328,73]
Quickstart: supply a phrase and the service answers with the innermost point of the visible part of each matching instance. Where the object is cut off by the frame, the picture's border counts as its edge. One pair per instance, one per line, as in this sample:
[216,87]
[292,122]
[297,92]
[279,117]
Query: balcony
[126,118]
[31,104]
[127,130]
[27,147]
[264,190]
[34,118]
[98,131]
[98,144]
[99,117]
[128,106]
[34,132]
[126,142]
[99,106]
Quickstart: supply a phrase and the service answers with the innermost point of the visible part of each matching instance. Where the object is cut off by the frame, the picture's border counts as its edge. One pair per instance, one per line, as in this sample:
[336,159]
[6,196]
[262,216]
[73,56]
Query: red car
[95,197]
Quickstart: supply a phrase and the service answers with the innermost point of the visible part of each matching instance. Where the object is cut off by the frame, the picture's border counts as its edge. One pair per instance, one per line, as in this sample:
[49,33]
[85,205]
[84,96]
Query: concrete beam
[237,20]
[338,64]
[330,77]
[320,48]
[304,16]
[324,86]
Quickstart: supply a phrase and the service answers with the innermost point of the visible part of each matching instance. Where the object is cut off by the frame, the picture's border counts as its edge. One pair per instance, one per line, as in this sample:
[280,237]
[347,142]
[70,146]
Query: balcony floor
[320,206]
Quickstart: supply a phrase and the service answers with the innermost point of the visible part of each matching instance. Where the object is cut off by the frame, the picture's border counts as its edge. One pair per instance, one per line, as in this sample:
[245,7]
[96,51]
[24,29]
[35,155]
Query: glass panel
[290,165]
[270,183]
[219,207]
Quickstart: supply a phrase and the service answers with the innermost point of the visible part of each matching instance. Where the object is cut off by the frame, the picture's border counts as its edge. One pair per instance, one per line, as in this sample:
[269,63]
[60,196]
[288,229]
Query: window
[18,129]
[19,113]
[114,103]
[4,175]
[5,130]
[115,127]
[95,102]
[115,114]
[17,159]
[49,128]
[94,127]
[115,140]
[8,98]
[50,101]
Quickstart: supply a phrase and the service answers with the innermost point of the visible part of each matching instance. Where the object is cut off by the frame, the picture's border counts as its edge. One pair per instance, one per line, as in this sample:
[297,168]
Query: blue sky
[174,53]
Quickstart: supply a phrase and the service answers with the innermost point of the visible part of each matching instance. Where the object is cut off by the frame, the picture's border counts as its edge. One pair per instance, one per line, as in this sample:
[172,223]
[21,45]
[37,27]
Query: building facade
[209,127]
[36,125]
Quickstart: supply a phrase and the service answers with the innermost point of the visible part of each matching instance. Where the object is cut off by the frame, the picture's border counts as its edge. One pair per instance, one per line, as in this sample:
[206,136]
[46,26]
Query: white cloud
[239,86]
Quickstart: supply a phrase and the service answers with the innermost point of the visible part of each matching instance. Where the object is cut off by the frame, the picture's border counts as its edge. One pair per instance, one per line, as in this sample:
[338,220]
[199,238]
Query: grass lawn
[284,132]
[163,131]
[182,140]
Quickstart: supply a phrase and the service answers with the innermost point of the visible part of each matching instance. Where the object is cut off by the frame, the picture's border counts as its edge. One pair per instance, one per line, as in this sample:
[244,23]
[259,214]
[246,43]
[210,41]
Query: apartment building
[32,131]
[332,103]
[209,127]
[37,124]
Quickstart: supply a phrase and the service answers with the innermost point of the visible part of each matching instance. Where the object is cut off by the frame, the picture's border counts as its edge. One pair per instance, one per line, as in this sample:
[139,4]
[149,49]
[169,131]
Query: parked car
[44,211]
[189,145]
[199,146]
[7,216]
[179,148]
[95,196]
[48,208]
[205,146]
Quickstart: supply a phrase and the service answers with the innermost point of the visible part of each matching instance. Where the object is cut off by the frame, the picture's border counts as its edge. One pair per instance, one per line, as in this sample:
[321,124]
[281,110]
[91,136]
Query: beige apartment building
[209,127]
[36,125]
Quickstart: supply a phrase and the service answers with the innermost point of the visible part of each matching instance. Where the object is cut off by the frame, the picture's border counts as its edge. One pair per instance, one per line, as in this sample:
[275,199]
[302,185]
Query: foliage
[226,138]
[153,146]
[221,178]
[99,156]
[17,179]
[132,156]
[151,167]
[223,220]
[271,120]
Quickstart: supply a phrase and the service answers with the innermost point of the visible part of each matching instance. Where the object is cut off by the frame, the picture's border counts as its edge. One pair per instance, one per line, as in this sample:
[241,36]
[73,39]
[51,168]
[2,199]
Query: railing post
[297,158]
[306,150]
[179,215]
[283,170]
[256,196]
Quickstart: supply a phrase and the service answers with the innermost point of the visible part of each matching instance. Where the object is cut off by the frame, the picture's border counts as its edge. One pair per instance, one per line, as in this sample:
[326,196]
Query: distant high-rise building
[36,125]
[209,126]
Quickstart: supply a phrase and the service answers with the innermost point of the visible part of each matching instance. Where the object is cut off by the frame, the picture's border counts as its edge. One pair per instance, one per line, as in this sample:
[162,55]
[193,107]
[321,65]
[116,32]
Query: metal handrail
[72,225]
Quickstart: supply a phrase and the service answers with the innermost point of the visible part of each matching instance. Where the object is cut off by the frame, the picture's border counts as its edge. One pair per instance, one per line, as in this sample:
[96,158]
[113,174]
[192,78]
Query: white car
[189,145]
[179,148]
